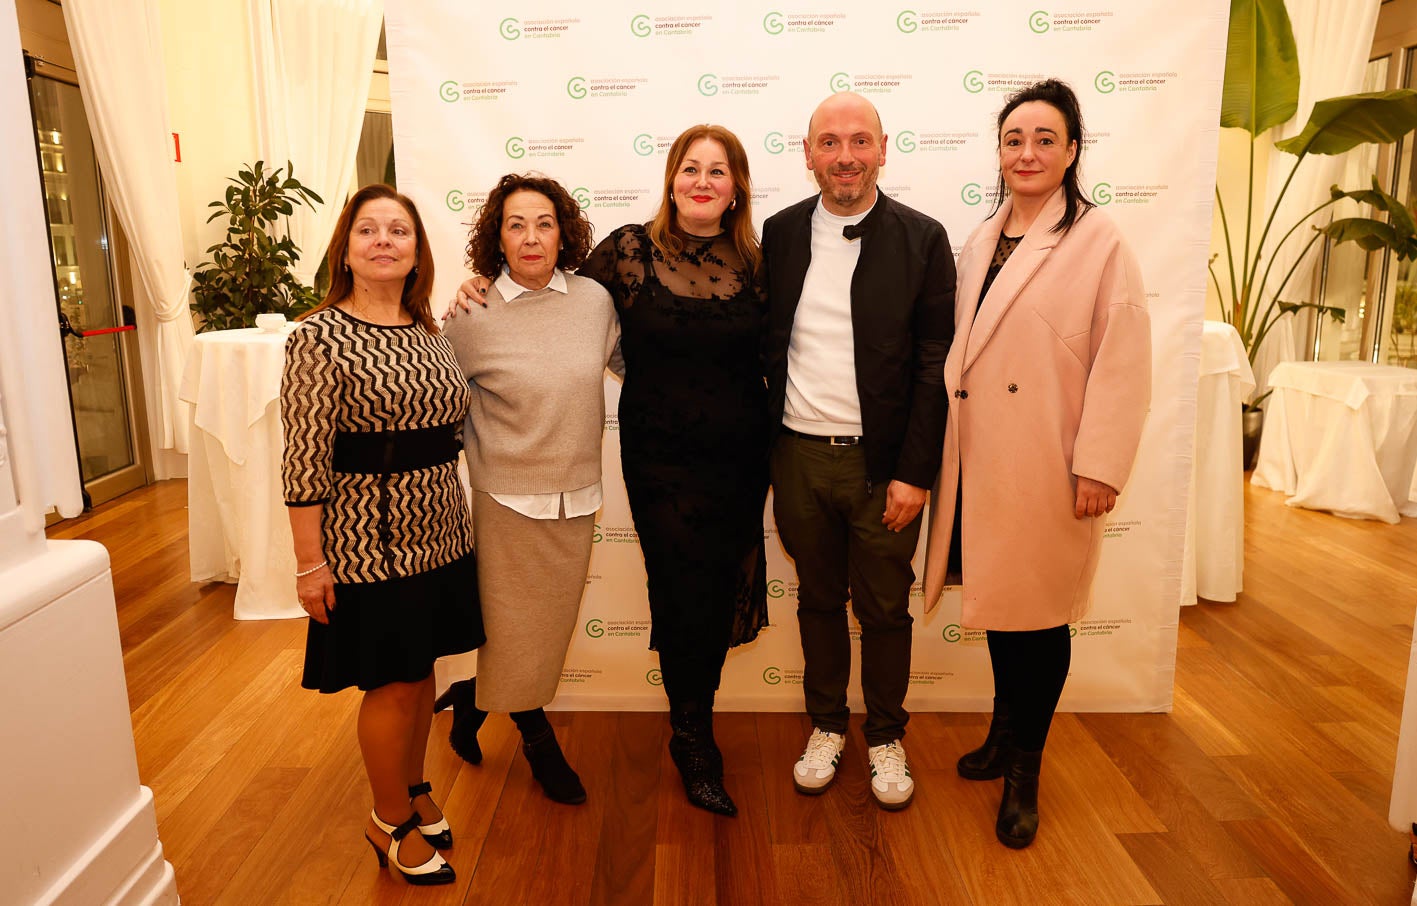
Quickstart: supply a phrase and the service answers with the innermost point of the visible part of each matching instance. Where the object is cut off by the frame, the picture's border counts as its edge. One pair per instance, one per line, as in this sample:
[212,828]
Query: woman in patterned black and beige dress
[372,405]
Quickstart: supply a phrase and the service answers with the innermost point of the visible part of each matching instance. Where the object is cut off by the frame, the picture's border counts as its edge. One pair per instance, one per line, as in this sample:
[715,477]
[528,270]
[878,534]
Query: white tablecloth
[237,524]
[1215,530]
[1342,436]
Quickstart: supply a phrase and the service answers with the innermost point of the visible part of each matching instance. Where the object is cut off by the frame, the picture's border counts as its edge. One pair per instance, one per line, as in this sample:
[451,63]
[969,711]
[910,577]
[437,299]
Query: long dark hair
[484,242]
[1061,98]
[417,286]
[664,231]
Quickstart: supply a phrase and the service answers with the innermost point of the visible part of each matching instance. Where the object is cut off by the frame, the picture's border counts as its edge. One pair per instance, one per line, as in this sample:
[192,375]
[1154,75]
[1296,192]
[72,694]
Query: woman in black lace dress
[692,429]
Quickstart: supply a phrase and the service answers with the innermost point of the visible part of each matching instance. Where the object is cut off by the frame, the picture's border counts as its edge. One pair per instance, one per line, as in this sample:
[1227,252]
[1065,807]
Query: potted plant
[249,271]
[1260,91]
[1404,324]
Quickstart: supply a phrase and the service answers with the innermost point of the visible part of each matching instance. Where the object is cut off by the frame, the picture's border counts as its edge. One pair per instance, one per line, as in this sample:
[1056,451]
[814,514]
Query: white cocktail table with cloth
[1342,437]
[237,523]
[1215,530]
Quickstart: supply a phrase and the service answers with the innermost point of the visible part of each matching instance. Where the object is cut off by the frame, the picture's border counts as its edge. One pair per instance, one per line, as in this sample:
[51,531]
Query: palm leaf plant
[1261,91]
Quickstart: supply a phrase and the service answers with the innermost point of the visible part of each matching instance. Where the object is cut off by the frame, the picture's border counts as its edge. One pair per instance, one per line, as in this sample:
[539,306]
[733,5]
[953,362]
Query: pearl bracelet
[312,570]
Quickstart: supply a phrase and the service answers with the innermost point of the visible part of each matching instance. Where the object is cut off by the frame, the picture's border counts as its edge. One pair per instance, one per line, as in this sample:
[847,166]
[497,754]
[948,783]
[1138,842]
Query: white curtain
[38,466]
[1333,41]
[313,60]
[117,48]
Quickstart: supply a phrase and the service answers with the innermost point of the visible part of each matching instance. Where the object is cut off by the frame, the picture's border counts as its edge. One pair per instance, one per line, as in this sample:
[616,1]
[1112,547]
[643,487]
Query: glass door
[98,338]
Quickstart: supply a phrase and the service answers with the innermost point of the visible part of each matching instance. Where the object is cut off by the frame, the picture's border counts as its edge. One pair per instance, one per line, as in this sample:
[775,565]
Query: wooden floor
[1267,784]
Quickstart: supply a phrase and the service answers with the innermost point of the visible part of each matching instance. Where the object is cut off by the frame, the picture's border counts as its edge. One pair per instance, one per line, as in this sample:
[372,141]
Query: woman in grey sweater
[535,359]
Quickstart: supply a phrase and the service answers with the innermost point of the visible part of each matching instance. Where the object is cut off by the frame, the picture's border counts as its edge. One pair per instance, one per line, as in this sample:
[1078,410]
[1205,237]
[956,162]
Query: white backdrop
[593,96]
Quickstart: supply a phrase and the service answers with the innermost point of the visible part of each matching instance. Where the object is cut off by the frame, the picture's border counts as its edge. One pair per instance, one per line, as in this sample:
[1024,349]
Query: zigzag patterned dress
[373,421]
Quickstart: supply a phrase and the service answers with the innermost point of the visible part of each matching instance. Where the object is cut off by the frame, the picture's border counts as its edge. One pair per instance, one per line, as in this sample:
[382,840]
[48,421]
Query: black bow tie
[853,231]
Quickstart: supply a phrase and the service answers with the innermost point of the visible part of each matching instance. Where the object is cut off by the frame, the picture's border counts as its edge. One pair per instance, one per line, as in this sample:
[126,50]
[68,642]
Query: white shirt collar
[510,288]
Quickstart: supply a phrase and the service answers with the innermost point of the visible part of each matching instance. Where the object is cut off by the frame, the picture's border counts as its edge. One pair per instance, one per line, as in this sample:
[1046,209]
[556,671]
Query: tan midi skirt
[531,575]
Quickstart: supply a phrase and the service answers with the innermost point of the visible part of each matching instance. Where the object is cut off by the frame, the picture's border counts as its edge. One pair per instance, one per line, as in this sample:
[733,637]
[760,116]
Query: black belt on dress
[836,440]
[389,452]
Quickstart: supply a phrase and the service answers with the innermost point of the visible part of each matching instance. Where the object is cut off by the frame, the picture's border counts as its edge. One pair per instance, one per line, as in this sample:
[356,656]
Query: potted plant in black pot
[250,270]
[1260,91]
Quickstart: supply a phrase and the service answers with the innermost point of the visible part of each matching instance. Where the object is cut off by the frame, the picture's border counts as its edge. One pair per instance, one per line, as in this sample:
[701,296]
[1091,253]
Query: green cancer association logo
[839,82]
[582,196]
[595,628]
[1105,82]
[643,144]
[772,676]
[973,81]
[906,21]
[905,141]
[1102,194]
[654,677]
[971,194]
[772,23]
[515,147]
[450,91]
[575,87]
[639,26]
[455,200]
[773,143]
[1039,21]
[510,29]
[708,84]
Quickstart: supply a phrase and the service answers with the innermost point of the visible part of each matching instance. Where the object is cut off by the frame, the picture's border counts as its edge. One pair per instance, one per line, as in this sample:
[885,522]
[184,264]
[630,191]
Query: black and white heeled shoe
[435,871]
[438,834]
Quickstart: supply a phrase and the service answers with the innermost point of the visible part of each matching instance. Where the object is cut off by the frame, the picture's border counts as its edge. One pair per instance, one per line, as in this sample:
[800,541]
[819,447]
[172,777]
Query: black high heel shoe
[435,871]
[467,718]
[548,765]
[438,834]
[699,761]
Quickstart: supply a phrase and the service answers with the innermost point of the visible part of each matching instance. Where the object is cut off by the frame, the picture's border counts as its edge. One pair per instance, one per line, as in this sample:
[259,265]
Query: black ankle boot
[987,761]
[1018,810]
[467,719]
[549,767]
[698,759]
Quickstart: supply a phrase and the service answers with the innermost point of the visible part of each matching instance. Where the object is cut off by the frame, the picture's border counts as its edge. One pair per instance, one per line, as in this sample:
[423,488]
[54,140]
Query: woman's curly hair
[484,243]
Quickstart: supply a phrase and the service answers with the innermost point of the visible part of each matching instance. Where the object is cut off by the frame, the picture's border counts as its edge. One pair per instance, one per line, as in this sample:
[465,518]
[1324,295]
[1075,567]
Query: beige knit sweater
[536,367]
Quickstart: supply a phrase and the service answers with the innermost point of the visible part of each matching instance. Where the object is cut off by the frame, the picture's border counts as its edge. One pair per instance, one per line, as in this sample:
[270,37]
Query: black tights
[691,672]
[533,724]
[1030,669]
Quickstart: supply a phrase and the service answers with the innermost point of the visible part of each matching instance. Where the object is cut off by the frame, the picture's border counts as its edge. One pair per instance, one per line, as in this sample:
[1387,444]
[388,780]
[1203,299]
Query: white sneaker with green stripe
[816,769]
[890,775]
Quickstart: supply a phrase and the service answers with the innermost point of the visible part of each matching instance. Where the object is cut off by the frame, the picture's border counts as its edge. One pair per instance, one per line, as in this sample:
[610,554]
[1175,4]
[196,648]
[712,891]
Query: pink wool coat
[1050,379]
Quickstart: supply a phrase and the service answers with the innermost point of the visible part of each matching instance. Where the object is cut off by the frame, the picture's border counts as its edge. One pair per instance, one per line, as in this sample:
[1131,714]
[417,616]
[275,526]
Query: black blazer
[902,316]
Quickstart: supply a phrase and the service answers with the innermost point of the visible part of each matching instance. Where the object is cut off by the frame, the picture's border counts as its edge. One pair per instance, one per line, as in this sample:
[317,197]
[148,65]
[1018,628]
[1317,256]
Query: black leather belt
[836,440]
[391,452]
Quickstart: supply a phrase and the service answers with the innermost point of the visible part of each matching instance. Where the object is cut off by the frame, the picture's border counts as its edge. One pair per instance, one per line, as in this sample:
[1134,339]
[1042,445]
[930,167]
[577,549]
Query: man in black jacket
[861,314]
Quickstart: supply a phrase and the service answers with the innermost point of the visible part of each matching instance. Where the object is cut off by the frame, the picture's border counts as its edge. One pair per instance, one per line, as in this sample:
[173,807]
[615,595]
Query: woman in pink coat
[1049,379]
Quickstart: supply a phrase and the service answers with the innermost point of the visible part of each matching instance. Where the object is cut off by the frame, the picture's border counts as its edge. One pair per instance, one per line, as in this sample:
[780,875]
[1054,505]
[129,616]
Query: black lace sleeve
[615,264]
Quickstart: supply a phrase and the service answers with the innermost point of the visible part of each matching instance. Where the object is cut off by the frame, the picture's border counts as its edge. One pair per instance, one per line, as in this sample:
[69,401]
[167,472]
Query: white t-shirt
[821,355]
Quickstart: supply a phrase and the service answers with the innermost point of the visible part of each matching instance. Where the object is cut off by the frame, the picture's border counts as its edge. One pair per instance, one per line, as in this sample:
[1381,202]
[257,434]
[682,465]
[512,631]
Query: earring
[346,265]
[415,270]
[733,205]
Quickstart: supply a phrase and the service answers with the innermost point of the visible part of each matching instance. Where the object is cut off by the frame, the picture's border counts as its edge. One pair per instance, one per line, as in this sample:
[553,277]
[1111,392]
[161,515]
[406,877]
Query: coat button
[962,394]
[1013,388]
